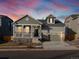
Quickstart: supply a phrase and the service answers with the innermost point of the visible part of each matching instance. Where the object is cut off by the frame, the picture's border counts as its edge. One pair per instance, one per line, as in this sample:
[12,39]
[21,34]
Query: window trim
[25,28]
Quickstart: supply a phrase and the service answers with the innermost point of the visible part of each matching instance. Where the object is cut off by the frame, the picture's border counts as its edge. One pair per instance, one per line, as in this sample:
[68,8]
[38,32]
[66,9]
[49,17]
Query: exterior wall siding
[23,37]
[73,25]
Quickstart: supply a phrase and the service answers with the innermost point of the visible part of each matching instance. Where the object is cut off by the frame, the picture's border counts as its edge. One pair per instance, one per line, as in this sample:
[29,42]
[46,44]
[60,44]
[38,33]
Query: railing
[18,34]
[24,35]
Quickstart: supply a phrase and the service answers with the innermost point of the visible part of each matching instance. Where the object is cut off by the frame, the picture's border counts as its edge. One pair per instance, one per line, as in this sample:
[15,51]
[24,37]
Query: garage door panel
[55,37]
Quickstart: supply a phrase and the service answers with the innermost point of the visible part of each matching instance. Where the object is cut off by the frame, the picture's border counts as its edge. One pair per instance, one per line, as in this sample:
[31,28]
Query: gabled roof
[29,21]
[6,18]
[73,16]
[3,16]
[57,23]
[42,21]
[50,16]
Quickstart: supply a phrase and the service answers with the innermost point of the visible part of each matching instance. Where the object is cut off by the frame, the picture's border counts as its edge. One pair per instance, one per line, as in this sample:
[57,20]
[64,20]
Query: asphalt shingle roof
[57,23]
[30,21]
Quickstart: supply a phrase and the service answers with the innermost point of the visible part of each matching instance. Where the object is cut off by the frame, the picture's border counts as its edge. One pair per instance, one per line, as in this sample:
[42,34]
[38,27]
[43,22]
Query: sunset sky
[38,9]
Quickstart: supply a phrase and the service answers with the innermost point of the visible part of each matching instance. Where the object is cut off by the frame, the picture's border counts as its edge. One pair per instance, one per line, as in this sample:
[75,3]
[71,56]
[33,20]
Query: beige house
[72,27]
[28,30]
[52,28]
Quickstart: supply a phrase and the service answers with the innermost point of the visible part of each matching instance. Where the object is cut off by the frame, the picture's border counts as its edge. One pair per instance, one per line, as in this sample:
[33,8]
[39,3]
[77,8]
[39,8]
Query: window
[50,20]
[19,29]
[27,29]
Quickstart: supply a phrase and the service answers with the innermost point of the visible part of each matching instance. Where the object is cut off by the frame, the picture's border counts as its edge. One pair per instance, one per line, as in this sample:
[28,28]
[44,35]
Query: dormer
[50,19]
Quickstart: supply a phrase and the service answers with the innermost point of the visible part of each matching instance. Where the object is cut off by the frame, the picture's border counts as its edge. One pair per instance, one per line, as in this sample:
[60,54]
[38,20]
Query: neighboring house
[52,29]
[26,29]
[6,29]
[72,27]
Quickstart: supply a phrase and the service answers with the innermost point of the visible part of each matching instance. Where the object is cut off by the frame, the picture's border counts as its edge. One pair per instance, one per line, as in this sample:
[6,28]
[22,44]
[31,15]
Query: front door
[36,34]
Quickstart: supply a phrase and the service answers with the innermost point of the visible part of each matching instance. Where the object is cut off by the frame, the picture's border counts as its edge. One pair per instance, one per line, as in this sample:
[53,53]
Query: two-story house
[72,27]
[27,29]
[6,29]
[52,29]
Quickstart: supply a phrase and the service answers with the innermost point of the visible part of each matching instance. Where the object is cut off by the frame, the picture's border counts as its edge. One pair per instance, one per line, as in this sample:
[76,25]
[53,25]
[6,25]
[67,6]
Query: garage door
[55,38]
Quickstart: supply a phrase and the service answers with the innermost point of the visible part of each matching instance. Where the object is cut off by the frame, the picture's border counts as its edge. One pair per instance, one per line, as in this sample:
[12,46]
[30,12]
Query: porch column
[40,31]
[13,32]
[31,31]
[22,30]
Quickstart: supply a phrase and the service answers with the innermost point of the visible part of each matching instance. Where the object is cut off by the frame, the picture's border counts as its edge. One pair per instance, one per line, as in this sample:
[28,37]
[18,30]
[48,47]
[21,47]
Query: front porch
[27,34]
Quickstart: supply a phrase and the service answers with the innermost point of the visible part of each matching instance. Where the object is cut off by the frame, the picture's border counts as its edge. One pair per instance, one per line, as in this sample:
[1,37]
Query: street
[50,50]
[39,54]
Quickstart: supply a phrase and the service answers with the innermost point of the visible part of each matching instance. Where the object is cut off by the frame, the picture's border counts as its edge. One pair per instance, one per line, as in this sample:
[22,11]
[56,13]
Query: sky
[38,9]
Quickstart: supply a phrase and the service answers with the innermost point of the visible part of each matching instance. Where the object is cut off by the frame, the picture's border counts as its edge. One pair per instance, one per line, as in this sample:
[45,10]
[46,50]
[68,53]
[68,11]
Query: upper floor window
[51,20]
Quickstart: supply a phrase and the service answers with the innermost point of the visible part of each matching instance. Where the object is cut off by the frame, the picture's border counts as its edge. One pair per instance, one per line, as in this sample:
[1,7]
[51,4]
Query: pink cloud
[32,3]
[22,12]
[14,17]
[60,6]
[29,3]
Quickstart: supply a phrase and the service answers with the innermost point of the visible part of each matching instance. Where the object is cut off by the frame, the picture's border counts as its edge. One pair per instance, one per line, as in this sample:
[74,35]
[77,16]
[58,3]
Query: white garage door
[55,37]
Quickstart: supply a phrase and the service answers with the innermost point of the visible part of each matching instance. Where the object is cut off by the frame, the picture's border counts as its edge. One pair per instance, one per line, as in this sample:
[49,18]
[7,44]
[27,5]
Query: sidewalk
[57,45]
[51,45]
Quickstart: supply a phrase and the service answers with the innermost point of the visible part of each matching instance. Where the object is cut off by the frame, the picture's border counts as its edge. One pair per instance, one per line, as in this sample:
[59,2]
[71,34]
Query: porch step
[35,40]
[36,43]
